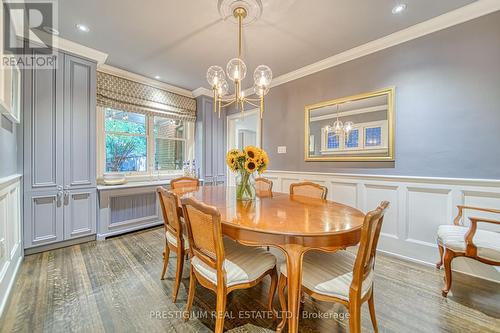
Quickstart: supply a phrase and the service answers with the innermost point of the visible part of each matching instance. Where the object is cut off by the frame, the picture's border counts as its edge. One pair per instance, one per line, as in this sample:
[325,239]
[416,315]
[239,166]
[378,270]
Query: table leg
[294,254]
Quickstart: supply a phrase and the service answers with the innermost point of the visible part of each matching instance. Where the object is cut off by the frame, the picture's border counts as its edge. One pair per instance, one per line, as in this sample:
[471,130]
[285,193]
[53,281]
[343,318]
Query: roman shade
[130,96]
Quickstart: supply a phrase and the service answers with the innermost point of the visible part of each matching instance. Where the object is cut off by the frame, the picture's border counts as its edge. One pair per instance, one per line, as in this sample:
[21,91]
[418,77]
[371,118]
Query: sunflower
[233,152]
[252,152]
[250,165]
[263,162]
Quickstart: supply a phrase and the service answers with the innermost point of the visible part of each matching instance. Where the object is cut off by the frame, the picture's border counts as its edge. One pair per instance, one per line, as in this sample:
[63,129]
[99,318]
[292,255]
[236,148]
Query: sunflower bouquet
[245,163]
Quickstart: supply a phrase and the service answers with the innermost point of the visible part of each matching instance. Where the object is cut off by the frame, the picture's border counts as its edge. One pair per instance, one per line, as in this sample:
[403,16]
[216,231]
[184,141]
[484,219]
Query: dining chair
[309,189]
[342,276]
[184,182]
[458,240]
[263,186]
[220,264]
[175,239]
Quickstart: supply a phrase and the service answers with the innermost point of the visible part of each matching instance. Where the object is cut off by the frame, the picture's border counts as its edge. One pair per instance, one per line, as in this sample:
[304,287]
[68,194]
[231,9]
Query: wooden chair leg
[282,298]
[192,289]
[354,316]
[371,307]
[441,252]
[448,257]
[178,273]
[166,254]
[220,310]
[272,290]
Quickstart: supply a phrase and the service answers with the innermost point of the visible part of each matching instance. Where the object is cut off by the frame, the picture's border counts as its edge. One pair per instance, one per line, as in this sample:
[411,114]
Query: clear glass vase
[245,186]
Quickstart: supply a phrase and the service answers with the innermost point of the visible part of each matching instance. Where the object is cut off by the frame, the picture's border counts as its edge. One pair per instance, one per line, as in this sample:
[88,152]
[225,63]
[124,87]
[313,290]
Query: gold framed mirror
[354,128]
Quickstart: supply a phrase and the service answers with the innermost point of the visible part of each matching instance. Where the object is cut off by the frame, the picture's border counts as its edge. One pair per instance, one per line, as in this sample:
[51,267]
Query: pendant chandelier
[236,71]
[339,127]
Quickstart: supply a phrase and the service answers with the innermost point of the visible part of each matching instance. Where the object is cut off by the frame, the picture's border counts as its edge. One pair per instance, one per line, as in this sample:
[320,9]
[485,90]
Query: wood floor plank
[114,286]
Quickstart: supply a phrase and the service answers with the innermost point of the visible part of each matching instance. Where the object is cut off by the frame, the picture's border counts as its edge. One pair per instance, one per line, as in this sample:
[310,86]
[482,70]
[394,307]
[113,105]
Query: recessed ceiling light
[157,77]
[82,28]
[50,30]
[399,8]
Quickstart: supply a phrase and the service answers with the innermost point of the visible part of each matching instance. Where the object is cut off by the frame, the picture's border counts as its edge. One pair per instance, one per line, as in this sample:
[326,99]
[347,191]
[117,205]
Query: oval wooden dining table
[295,224]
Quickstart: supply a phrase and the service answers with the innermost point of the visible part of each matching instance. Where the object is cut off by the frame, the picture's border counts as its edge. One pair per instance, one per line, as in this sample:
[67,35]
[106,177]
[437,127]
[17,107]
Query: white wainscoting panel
[11,253]
[418,206]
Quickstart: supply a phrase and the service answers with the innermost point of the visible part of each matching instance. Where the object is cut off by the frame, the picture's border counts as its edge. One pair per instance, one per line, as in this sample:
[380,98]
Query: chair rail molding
[11,250]
[418,206]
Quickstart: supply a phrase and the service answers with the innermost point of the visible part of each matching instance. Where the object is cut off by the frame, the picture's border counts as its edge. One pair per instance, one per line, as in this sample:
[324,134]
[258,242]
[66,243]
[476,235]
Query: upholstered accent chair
[458,240]
[175,239]
[309,189]
[341,276]
[263,186]
[220,264]
[184,182]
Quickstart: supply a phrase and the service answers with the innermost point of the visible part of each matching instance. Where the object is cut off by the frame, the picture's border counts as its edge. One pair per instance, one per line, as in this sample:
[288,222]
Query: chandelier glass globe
[215,75]
[262,76]
[260,90]
[222,88]
[338,127]
[348,126]
[236,69]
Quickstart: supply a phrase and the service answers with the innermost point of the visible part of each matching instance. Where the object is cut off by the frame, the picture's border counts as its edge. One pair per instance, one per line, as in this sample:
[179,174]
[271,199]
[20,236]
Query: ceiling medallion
[236,69]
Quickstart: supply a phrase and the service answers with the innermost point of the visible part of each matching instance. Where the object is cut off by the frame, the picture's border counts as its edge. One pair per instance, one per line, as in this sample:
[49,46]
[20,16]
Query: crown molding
[81,50]
[457,16]
[201,91]
[143,79]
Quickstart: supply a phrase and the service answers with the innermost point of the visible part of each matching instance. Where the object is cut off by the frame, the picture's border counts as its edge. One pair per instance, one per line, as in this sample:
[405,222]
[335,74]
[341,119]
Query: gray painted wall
[447,105]
[10,147]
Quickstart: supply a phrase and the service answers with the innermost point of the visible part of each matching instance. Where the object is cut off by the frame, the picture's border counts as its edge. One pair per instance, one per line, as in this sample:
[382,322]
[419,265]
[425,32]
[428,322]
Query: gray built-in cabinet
[60,196]
[211,138]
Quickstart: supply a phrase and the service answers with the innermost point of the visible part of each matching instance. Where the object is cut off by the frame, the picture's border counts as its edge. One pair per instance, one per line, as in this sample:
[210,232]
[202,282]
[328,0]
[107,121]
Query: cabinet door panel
[43,219]
[79,123]
[80,213]
[43,128]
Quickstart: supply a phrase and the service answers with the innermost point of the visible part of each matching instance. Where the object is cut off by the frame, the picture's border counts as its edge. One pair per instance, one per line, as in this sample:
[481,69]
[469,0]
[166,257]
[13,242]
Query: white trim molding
[457,16]
[78,49]
[143,79]
[11,249]
[418,206]
[201,91]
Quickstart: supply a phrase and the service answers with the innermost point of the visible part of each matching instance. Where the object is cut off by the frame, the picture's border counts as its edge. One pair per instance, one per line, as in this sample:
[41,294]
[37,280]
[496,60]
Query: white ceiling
[179,39]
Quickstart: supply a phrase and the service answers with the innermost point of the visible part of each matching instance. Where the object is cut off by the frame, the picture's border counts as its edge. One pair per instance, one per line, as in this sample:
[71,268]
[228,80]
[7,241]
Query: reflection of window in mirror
[368,131]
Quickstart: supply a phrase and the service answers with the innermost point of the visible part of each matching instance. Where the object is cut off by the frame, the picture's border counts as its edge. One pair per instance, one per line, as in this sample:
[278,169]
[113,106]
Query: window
[170,143]
[126,141]
[366,137]
[333,141]
[140,144]
[352,139]
[373,136]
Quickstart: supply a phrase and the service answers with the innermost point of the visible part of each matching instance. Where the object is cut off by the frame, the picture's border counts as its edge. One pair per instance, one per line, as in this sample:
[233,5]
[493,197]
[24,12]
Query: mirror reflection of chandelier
[339,127]
[236,69]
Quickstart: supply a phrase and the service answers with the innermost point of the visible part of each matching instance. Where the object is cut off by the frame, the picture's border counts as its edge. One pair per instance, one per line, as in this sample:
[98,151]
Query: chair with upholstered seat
[220,264]
[309,189]
[175,239]
[341,276]
[458,240]
[184,182]
[263,186]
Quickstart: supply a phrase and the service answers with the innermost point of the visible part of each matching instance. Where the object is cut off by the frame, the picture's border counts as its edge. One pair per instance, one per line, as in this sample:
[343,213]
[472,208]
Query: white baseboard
[418,206]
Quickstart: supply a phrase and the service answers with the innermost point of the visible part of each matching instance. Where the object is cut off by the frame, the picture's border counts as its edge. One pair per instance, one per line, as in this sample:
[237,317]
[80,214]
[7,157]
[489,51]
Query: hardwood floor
[114,286]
